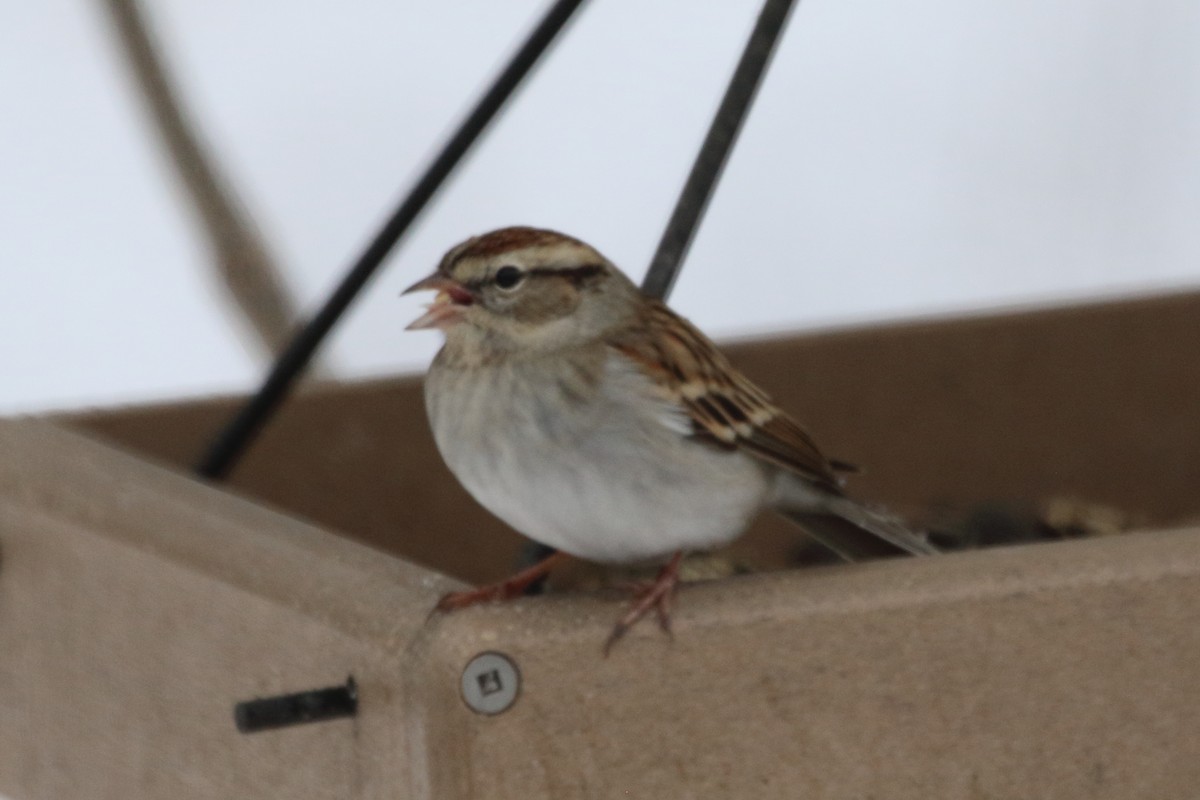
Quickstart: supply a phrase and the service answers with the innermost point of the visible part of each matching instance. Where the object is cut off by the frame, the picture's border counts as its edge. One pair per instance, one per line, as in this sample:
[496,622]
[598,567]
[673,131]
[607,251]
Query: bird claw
[509,589]
[473,597]
[656,595]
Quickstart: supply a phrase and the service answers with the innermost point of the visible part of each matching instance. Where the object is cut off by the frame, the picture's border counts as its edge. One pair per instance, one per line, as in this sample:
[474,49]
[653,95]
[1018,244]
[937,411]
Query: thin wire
[232,442]
[706,171]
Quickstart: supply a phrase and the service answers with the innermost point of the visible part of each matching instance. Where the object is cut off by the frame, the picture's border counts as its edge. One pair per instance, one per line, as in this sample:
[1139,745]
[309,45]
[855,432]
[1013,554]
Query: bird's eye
[509,277]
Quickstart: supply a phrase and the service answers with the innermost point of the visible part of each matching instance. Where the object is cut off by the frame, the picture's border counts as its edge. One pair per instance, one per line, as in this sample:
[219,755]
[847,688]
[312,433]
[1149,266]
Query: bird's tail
[858,533]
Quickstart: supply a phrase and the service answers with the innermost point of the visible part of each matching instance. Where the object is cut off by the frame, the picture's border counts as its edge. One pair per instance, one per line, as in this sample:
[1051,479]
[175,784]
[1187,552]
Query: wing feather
[724,406]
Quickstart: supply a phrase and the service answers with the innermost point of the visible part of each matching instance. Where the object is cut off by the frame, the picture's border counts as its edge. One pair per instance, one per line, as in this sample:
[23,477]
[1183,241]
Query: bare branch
[246,269]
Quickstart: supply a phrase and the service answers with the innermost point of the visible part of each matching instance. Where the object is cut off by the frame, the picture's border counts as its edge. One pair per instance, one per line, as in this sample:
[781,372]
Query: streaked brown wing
[724,406]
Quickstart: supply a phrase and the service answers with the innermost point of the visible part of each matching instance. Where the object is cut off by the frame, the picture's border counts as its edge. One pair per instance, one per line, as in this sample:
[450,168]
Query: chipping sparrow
[597,421]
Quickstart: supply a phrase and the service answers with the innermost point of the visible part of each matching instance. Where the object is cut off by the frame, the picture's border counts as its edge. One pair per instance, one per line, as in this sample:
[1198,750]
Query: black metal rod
[316,705]
[233,440]
[706,171]
[714,153]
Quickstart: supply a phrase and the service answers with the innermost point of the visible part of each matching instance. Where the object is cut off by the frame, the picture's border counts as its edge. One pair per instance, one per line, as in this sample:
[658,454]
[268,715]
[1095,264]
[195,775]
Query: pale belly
[604,479]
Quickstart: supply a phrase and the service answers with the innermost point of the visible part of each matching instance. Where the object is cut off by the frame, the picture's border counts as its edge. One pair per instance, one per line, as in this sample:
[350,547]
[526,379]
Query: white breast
[602,472]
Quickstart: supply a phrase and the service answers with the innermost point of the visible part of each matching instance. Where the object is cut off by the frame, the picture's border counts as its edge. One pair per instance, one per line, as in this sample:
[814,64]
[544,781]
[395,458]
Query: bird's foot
[656,595]
[508,589]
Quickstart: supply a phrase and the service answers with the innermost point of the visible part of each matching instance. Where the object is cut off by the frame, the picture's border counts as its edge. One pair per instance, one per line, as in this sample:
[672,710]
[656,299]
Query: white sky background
[901,160]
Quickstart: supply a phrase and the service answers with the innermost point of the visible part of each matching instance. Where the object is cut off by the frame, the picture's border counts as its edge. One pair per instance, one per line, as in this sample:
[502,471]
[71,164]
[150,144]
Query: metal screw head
[490,683]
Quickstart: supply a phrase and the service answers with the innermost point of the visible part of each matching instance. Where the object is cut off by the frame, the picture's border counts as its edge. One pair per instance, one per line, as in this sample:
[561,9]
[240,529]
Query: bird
[595,420]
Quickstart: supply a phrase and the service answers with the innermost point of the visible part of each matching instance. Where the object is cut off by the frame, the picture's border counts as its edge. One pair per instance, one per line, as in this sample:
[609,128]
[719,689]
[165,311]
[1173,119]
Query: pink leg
[509,589]
[656,595]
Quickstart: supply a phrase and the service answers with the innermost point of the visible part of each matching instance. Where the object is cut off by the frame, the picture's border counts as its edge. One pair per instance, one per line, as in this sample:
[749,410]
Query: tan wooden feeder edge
[137,605]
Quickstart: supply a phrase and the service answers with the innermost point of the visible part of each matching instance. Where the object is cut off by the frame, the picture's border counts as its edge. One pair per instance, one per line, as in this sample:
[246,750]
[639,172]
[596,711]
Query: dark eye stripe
[576,275]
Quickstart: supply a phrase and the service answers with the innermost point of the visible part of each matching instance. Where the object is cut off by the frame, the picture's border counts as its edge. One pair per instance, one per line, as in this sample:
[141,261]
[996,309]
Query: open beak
[448,305]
